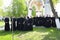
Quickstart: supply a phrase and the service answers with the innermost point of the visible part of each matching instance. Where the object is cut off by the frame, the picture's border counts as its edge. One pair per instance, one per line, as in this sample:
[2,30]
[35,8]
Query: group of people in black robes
[22,24]
[26,24]
[45,21]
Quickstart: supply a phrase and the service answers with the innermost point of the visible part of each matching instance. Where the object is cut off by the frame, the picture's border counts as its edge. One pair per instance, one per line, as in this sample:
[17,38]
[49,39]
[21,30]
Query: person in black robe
[53,22]
[48,22]
[36,21]
[40,21]
[7,26]
[59,18]
[28,26]
[20,23]
[13,24]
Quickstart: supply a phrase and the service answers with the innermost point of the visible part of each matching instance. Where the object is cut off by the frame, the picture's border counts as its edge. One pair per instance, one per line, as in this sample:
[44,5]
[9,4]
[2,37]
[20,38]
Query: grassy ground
[36,34]
[5,35]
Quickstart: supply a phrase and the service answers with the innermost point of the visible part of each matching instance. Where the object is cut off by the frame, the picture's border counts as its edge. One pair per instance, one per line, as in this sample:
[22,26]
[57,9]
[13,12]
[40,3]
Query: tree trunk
[53,10]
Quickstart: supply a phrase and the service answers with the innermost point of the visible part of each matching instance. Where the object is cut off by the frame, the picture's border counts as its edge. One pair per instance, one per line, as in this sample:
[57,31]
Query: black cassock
[53,22]
[20,24]
[35,21]
[41,21]
[47,22]
[28,25]
[13,25]
[59,18]
[7,26]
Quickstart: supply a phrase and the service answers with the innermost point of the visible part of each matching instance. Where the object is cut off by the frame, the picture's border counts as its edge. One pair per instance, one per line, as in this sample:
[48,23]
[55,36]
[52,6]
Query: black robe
[7,26]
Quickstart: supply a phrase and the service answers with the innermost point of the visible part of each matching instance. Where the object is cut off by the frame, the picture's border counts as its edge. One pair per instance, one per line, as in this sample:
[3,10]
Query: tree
[19,8]
[53,10]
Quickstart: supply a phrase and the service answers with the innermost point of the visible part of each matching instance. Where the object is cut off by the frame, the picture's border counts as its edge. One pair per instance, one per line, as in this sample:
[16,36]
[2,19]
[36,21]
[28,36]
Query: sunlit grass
[5,35]
[40,34]
[37,34]
[33,35]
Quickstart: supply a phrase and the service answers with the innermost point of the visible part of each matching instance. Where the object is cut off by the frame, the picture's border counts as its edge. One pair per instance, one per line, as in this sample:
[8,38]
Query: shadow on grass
[20,32]
[3,33]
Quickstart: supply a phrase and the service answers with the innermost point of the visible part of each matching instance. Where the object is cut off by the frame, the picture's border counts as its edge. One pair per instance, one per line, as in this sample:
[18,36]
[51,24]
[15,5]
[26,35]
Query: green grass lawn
[36,34]
[5,35]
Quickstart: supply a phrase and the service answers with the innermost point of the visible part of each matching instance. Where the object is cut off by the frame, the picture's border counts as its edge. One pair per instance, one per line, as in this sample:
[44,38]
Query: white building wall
[48,11]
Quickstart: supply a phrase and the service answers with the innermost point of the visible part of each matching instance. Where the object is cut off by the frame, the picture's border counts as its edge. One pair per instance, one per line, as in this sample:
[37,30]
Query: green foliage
[54,2]
[1,12]
[1,3]
[33,12]
[16,9]
[19,8]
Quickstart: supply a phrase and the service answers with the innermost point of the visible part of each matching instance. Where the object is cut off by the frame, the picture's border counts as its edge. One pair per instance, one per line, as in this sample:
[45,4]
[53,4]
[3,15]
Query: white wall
[57,8]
